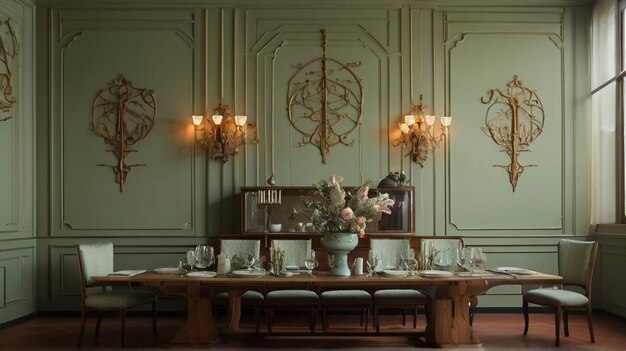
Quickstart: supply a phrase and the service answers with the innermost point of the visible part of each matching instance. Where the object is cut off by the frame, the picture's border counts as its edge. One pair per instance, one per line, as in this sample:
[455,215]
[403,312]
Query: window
[605,85]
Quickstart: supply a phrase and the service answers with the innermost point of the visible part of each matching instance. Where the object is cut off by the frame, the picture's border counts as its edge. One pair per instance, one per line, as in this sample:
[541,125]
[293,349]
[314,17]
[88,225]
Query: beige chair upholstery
[97,260]
[249,299]
[298,297]
[576,260]
[391,250]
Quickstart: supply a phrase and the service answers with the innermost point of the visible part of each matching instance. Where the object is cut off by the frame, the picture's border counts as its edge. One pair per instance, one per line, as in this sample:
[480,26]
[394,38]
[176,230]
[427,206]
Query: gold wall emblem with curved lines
[514,119]
[325,101]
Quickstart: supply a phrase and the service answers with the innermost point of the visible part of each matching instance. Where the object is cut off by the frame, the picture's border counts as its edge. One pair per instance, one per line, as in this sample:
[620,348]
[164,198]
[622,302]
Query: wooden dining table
[448,325]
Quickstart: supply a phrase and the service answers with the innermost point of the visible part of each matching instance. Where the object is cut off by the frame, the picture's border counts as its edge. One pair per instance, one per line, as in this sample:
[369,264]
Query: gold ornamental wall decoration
[8,64]
[122,115]
[514,120]
[325,101]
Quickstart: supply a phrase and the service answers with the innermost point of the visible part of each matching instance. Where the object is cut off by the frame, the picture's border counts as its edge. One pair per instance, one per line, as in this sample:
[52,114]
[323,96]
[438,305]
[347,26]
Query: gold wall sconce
[221,134]
[418,135]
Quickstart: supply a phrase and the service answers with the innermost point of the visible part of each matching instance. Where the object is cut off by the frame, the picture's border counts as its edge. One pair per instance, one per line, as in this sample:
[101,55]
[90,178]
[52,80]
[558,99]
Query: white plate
[202,274]
[168,270]
[396,273]
[247,273]
[435,274]
[289,273]
[514,270]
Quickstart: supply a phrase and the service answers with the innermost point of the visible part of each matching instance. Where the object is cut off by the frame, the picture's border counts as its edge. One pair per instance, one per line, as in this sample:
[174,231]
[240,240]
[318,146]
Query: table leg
[234,309]
[449,323]
[200,328]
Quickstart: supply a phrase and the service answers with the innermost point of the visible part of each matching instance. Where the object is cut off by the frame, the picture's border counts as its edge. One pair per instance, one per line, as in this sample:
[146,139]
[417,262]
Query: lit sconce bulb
[241,120]
[430,120]
[197,119]
[217,119]
[404,128]
[445,121]
[409,120]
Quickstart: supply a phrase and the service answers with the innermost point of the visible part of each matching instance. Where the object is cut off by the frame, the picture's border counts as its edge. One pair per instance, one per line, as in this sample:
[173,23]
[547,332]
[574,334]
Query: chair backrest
[576,261]
[447,250]
[390,250]
[240,247]
[93,260]
[295,250]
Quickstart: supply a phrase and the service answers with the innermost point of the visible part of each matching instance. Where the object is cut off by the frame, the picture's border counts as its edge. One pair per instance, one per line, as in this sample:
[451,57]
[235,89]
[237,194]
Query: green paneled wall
[17,244]
[194,53]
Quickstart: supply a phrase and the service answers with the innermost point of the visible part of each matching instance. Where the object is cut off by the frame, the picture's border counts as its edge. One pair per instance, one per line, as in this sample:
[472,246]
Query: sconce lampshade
[409,120]
[217,119]
[241,120]
[446,121]
[197,119]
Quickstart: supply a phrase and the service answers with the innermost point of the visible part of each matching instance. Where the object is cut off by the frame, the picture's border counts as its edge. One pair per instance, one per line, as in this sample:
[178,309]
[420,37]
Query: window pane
[603,156]
[603,42]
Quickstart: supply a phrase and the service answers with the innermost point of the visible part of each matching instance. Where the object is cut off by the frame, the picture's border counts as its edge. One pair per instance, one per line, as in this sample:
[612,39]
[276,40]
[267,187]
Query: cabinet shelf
[279,211]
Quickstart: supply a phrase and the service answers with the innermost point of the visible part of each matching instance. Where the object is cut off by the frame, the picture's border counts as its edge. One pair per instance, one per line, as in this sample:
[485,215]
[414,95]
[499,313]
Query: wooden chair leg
[403,317]
[257,316]
[324,315]
[362,313]
[558,315]
[366,314]
[589,322]
[98,322]
[269,318]
[123,317]
[81,332]
[565,322]
[376,320]
[154,317]
[312,318]
[525,309]
[414,317]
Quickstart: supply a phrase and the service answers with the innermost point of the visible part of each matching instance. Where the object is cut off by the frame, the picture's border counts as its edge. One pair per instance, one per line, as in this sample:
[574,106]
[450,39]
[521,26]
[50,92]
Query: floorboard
[497,331]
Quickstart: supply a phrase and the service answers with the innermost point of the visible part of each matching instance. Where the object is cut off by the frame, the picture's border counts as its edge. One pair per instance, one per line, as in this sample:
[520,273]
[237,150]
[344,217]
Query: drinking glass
[477,259]
[371,262]
[310,262]
[204,256]
[249,261]
[378,268]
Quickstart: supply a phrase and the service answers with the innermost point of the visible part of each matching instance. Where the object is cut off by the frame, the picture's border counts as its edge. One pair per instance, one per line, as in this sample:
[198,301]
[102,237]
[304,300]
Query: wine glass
[249,261]
[378,268]
[204,256]
[371,262]
[310,262]
[479,260]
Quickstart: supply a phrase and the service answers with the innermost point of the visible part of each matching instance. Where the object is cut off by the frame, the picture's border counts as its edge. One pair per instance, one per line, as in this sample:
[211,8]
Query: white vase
[339,245]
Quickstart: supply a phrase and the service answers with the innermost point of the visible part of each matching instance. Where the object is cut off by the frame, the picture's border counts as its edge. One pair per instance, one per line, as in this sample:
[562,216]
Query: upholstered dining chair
[97,260]
[249,299]
[297,298]
[576,260]
[391,250]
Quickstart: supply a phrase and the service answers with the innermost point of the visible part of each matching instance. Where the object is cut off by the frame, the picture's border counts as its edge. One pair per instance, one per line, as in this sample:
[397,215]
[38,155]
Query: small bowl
[275,227]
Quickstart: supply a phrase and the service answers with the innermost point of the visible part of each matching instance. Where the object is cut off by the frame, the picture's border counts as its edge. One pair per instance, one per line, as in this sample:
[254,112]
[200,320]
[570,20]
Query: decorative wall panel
[277,42]
[156,50]
[477,61]
[10,118]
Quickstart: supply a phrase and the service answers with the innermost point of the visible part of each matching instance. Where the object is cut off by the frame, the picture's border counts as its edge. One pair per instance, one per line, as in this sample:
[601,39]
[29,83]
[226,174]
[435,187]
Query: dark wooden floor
[497,331]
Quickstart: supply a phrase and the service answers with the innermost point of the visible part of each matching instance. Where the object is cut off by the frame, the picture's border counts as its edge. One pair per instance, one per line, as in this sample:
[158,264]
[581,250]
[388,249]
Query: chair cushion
[346,298]
[554,297]
[399,297]
[291,298]
[117,299]
[249,298]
